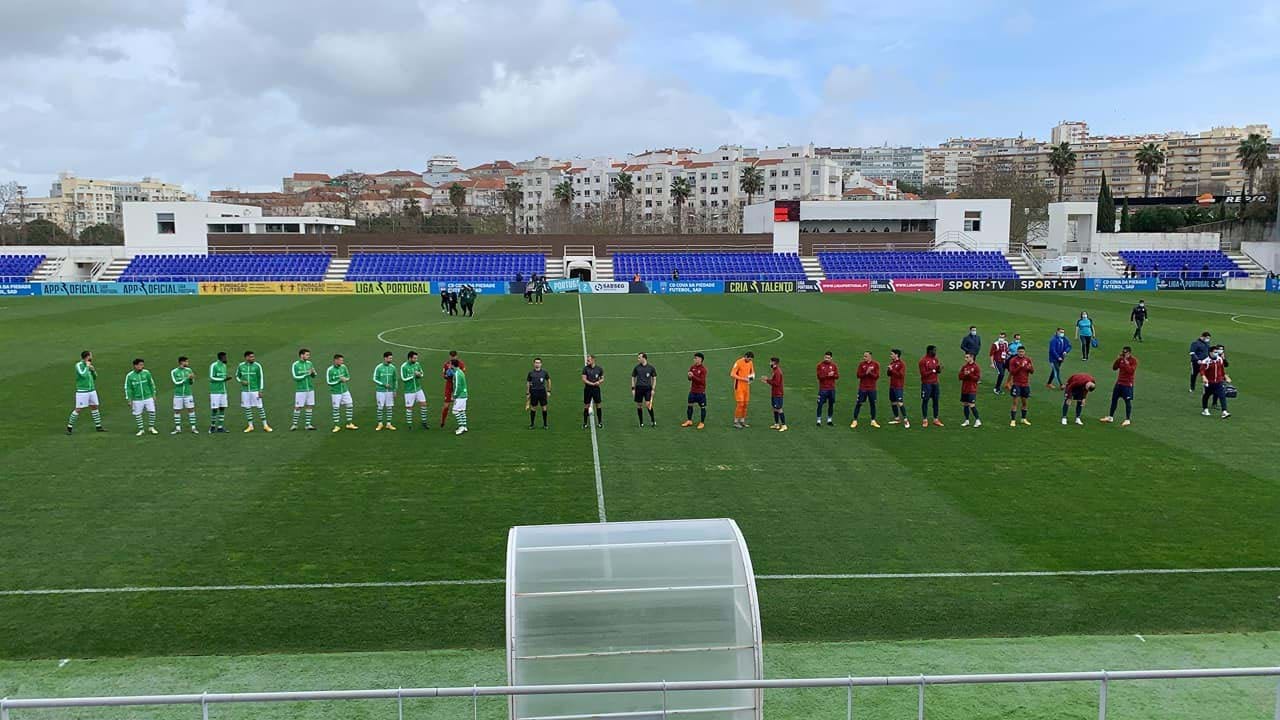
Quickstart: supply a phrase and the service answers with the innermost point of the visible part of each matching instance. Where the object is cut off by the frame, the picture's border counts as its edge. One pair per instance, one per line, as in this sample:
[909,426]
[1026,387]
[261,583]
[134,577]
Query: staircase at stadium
[337,270]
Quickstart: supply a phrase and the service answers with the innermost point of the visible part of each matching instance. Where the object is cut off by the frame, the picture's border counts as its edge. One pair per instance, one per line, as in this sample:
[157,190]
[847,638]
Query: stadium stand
[709,266]
[1171,264]
[445,266]
[299,267]
[17,268]
[886,265]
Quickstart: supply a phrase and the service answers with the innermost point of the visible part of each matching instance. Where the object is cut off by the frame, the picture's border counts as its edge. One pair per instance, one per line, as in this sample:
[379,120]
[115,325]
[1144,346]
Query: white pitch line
[500,581]
[595,443]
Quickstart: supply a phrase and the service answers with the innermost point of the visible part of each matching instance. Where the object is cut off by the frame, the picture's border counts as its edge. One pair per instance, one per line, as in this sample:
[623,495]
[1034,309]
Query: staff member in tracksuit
[1138,316]
[1199,353]
[1214,371]
[1059,348]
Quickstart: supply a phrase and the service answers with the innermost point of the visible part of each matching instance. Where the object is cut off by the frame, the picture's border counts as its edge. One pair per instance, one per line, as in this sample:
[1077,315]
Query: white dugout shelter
[638,601]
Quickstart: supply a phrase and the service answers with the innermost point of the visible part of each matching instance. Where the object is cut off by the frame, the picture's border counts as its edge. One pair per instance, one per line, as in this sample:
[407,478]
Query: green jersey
[411,376]
[384,377]
[459,383]
[249,375]
[183,379]
[303,380]
[218,378]
[338,377]
[86,377]
[139,385]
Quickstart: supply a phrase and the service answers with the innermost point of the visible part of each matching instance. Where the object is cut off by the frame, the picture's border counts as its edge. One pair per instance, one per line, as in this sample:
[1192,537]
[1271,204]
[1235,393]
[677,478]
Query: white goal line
[500,581]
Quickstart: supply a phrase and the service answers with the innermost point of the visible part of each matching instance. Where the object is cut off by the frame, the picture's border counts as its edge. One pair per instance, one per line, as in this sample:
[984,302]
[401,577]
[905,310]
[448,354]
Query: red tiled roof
[769,162]
[400,173]
[910,196]
[696,165]
[859,191]
[633,168]
[320,177]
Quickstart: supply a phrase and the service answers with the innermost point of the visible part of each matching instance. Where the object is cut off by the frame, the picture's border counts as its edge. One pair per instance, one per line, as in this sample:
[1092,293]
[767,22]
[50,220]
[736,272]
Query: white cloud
[846,84]
[733,54]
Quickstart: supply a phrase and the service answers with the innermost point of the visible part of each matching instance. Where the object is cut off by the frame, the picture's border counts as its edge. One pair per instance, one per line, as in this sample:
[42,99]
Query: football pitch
[115,545]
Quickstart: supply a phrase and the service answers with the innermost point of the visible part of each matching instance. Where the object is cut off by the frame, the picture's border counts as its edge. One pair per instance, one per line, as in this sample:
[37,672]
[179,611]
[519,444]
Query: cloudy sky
[231,93]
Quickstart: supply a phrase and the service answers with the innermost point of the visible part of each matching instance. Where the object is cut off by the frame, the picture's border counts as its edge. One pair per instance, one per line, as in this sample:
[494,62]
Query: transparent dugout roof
[630,602]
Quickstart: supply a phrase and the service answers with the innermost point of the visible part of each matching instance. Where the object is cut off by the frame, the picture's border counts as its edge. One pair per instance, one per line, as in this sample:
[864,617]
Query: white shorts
[184,402]
[386,398]
[139,405]
[250,399]
[85,399]
[459,405]
[217,401]
[304,398]
[342,399]
[417,396]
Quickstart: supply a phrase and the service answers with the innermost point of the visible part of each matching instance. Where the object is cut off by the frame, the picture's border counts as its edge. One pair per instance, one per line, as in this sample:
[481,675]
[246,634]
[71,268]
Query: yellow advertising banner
[277,288]
[415,287]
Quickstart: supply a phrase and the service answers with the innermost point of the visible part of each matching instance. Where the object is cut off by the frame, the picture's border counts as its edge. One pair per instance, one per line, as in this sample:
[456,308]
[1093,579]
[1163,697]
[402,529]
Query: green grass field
[1176,491]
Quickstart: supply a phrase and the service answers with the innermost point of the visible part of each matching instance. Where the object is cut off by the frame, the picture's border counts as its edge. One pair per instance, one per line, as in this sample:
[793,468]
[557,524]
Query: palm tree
[624,186]
[680,192]
[1150,159]
[1252,153]
[512,196]
[458,198]
[1062,159]
[751,182]
[563,193]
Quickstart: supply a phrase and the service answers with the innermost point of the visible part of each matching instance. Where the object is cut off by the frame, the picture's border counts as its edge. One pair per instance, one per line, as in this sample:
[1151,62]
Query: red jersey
[970,374]
[1077,382]
[698,379]
[775,383]
[1213,369]
[897,374]
[1020,370]
[828,374]
[929,369]
[999,352]
[868,374]
[448,380]
[1126,368]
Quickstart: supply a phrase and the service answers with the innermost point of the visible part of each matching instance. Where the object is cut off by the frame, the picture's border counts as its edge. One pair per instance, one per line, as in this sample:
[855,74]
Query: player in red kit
[868,375]
[774,381]
[970,375]
[697,392]
[828,374]
[897,387]
[1020,371]
[1213,371]
[1126,367]
[448,384]
[929,366]
[1077,388]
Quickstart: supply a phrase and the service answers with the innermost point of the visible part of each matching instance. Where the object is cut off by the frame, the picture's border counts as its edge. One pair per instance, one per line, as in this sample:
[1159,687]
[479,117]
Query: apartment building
[898,164]
[1071,132]
[74,203]
[301,182]
[1206,162]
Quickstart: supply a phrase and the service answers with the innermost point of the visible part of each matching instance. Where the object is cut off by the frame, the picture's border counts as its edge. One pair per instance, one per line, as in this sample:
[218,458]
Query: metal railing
[1103,678]
[470,250]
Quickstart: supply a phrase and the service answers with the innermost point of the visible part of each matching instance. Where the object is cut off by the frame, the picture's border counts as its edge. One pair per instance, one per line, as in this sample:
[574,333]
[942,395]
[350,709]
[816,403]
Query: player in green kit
[459,395]
[411,375]
[140,393]
[86,393]
[218,394]
[304,388]
[338,376]
[252,380]
[184,380]
[385,376]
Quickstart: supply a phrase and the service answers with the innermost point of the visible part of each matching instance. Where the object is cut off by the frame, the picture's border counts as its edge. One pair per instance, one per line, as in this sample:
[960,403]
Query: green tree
[1062,159]
[1106,208]
[751,182]
[681,190]
[45,232]
[101,234]
[563,192]
[1252,153]
[1028,200]
[1150,159]
[458,199]
[1125,220]
[512,197]
[623,187]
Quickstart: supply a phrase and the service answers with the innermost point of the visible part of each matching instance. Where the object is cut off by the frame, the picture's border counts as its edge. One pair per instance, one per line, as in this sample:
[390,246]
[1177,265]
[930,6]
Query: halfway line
[595,443]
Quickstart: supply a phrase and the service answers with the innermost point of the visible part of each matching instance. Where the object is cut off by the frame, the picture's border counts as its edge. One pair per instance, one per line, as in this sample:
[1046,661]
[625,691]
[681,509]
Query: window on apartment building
[715,190]
[773,173]
[165,224]
[795,154]
[715,176]
[972,220]
[658,203]
[704,203]
[815,172]
[773,188]
[715,203]
[648,177]
[648,203]
[724,189]
[785,173]
[703,176]
[786,187]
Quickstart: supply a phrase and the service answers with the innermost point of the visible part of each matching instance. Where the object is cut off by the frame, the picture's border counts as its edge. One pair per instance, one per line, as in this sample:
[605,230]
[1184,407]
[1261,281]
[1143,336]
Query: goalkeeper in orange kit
[743,374]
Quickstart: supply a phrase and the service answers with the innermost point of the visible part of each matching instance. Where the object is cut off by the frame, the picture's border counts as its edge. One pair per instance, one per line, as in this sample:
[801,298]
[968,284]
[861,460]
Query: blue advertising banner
[1216,283]
[1273,284]
[15,289]
[563,286]
[481,287]
[616,287]
[687,287]
[1110,284]
[119,288]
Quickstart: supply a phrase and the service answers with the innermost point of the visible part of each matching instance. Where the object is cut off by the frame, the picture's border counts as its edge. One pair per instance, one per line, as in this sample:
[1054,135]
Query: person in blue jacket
[1084,331]
[1059,348]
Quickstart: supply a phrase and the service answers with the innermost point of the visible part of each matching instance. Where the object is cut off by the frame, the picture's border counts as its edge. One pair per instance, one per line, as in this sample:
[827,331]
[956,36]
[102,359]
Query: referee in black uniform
[592,377]
[537,392]
[1138,316]
[644,380]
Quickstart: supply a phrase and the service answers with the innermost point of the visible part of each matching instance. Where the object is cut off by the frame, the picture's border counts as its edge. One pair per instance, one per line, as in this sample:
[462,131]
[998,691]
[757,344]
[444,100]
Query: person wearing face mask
[999,354]
[1199,352]
[1059,348]
[972,343]
[1084,331]
[1138,316]
[1213,371]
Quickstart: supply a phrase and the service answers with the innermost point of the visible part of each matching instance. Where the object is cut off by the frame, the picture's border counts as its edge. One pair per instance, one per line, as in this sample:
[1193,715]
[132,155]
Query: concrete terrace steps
[603,269]
[337,270]
[1117,263]
[555,268]
[812,268]
[113,270]
[1021,266]
[1247,264]
[47,270]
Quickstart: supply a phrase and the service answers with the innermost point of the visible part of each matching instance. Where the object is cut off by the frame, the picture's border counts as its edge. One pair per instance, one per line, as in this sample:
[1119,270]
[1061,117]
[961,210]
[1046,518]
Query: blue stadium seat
[708,266]
[1170,264]
[889,264]
[297,267]
[17,268]
[457,266]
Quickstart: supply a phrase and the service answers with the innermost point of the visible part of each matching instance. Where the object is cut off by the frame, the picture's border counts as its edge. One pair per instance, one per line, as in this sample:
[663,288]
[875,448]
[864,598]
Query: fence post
[1277,684]
[475,702]
[664,698]
[399,704]
[1102,697]
[849,701]
[4,710]
[204,706]
[920,701]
